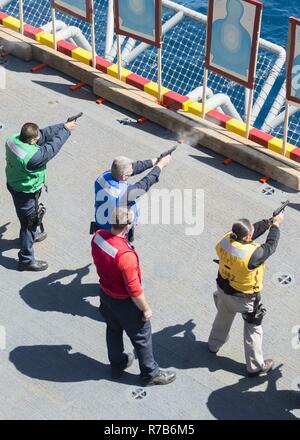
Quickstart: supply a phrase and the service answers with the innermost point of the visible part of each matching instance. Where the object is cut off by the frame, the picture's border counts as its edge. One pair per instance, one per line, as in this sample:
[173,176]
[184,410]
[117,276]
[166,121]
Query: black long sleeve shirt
[137,189]
[51,140]
[260,255]
[140,166]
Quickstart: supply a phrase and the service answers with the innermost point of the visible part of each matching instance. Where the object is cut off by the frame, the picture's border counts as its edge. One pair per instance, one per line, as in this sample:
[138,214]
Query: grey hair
[120,166]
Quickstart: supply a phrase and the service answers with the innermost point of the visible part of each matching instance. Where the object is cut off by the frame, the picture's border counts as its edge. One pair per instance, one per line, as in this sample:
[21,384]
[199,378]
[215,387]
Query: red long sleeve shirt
[128,265]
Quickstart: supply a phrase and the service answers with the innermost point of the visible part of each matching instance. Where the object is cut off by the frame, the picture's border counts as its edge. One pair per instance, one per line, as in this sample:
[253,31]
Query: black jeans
[120,315]
[25,206]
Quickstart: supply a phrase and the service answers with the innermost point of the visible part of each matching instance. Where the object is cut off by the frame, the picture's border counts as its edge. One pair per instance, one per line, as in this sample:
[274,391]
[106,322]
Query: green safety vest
[19,178]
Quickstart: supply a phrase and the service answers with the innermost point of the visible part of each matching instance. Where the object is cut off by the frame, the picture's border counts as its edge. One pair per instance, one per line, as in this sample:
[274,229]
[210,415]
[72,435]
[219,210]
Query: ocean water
[274,20]
[274,17]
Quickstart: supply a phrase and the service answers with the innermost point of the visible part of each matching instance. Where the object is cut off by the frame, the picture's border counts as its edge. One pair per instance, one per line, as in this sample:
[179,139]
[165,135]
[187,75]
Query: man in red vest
[123,302]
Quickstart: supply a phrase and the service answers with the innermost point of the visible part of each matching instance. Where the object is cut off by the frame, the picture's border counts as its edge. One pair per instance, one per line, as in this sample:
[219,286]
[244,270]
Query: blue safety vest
[108,194]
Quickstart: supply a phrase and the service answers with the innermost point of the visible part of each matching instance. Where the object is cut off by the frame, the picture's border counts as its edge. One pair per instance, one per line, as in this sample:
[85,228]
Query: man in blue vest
[27,154]
[112,189]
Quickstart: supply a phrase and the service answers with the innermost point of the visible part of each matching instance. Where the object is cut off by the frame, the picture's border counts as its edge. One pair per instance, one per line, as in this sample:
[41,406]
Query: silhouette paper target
[139,19]
[293,64]
[232,36]
[78,8]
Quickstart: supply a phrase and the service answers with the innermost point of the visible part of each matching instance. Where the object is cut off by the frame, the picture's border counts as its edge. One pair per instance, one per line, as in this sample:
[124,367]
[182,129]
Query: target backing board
[78,8]
[233,29]
[293,63]
[139,19]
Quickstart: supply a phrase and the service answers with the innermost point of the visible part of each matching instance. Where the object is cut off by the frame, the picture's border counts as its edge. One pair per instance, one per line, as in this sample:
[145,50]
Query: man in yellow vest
[27,155]
[239,283]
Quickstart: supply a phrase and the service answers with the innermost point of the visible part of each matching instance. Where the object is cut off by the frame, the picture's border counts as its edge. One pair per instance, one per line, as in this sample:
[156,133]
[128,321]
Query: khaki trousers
[228,306]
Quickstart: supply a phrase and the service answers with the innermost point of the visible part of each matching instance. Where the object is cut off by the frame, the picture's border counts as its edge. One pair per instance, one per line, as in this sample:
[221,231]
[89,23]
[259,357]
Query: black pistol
[166,153]
[281,208]
[74,118]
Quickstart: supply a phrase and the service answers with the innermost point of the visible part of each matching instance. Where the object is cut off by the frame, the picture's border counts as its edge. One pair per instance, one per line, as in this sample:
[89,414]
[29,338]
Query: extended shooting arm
[139,166]
[50,148]
[263,252]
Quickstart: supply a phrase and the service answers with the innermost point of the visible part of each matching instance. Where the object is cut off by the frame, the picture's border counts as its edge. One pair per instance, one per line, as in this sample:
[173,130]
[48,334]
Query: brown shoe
[269,364]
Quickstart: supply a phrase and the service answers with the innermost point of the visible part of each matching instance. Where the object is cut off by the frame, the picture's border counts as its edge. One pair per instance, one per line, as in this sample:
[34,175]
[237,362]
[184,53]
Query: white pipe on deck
[196,94]
[220,102]
[109,28]
[4,3]
[59,26]
[187,11]
[129,46]
[275,110]
[223,101]
[113,52]
[279,120]
[70,33]
[74,33]
[273,75]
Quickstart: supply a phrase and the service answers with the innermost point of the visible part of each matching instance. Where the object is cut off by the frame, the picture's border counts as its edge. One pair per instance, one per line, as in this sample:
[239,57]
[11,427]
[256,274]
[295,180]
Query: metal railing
[225,96]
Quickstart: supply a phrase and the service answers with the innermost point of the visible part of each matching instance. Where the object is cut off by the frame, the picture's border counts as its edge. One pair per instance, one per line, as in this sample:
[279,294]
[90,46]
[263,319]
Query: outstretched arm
[260,228]
[142,165]
[262,253]
[138,189]
[48,133]
[50,149]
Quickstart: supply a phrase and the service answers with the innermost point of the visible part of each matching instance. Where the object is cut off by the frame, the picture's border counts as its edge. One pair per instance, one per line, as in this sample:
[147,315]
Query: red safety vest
[107,250]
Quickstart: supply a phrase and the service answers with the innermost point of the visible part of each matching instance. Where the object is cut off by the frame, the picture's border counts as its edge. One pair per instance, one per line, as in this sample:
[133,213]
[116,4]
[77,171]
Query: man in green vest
[27,154]
[239,283]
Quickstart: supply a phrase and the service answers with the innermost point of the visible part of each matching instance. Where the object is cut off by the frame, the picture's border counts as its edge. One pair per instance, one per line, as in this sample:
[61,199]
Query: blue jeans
[120,315]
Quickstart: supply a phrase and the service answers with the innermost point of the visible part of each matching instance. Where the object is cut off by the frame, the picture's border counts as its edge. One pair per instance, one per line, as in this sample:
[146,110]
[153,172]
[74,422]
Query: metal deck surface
[55,365]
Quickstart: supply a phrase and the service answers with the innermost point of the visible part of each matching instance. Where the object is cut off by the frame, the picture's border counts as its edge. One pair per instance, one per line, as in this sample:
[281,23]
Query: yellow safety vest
[234,259]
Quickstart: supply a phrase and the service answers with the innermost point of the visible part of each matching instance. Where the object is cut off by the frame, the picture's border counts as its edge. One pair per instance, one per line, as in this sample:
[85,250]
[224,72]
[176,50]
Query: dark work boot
[40,237]
[36,266]
[269,364]
[164,377]
[116,373]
